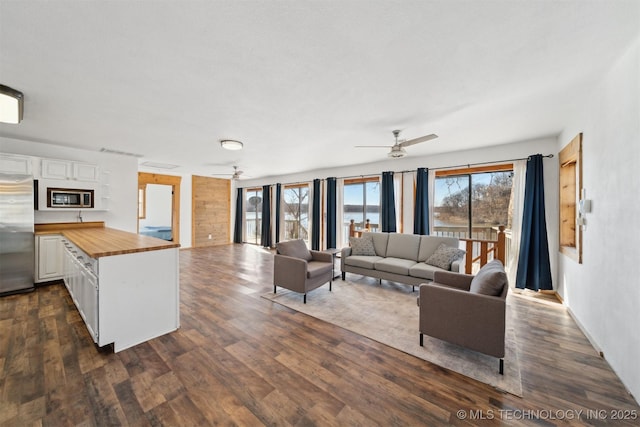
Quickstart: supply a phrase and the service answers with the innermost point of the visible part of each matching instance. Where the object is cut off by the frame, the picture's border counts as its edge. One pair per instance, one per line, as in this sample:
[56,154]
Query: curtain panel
[278,211]
[516,207]
[265,235]
[421,215]
[331,213]
[237,227]
[388,217]
[534,268]
[316,220]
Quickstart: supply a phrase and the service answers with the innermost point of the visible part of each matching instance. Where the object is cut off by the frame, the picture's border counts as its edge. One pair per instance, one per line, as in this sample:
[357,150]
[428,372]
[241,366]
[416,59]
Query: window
[296,212]
[362,203]
[472,203]
[253,215]
[570,159]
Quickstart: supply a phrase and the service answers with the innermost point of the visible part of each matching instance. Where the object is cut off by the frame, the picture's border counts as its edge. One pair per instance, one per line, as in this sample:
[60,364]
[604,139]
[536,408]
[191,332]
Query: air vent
[122,153]
[159,165]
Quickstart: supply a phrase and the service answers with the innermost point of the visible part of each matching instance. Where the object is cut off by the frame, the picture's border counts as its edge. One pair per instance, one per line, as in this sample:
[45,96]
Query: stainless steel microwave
[69,198]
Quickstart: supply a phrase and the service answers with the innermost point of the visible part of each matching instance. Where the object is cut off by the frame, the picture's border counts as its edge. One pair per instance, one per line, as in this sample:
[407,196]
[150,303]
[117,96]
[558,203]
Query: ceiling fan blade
[373,146]
[418,140]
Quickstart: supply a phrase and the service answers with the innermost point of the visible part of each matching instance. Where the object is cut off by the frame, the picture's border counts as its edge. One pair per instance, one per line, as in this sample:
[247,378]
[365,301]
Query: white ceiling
[301,82]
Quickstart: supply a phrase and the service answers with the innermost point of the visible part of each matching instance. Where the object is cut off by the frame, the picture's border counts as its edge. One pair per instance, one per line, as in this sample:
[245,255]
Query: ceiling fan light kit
[231,144]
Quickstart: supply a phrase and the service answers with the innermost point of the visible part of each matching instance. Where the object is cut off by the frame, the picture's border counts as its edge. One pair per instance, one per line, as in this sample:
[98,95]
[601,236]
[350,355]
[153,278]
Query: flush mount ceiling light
[10,105]
[231,144]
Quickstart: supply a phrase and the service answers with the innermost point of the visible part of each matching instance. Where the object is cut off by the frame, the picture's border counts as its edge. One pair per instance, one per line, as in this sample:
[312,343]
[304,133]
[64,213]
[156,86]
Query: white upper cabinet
[63,169]
[15,164]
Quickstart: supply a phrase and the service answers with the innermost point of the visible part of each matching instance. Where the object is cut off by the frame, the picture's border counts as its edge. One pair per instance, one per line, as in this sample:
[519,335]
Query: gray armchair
[467,310]
[300,270]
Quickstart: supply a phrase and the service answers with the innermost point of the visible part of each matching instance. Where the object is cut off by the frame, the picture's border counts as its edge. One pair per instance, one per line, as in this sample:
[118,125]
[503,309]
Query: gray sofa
[400,257]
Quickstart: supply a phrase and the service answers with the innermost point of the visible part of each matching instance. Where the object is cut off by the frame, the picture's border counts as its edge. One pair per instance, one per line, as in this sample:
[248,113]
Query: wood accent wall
[211,211]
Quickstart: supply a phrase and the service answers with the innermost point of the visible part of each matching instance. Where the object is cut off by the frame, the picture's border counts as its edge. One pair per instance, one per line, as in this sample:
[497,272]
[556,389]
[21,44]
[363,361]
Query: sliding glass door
[253,215]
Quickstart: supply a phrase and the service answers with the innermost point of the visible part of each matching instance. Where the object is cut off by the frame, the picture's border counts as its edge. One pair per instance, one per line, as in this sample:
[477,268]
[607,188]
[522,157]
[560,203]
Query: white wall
[123,205]
[603,292]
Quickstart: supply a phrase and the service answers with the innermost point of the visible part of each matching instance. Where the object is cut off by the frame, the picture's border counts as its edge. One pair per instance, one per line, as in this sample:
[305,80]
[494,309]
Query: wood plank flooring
[239,359]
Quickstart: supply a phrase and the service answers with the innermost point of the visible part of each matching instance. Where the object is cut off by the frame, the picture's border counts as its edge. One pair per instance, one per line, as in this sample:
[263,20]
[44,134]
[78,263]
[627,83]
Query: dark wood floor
[239,359]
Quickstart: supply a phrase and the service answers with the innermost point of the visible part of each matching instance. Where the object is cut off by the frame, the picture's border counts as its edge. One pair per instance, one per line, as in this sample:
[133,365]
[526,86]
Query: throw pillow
[444,256]
[362,246]
[490,280]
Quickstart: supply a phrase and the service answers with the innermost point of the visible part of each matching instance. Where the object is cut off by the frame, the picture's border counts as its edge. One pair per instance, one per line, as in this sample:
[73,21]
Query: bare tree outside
[296,213]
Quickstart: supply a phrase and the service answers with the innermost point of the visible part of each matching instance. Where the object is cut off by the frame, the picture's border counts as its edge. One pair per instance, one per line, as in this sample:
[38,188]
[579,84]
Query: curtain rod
[468,165]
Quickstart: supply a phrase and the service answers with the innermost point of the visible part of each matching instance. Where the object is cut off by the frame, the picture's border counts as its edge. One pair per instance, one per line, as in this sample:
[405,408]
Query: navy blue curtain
[331,213]
[265,237]
[315,216]
[534,269]
[421,212]
[388,202]
[278,197]
[237,228]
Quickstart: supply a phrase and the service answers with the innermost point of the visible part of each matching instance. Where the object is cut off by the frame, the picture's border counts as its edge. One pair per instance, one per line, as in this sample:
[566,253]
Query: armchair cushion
[317,268]
[490,280]
[444,256]
[294,248]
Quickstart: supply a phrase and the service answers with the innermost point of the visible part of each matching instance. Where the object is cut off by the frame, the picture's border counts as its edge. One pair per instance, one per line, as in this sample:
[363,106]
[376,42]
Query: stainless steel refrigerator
[16,234]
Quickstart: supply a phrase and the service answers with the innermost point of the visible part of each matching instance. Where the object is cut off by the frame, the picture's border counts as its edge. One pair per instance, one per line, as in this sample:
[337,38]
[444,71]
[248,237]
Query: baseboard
[594,344]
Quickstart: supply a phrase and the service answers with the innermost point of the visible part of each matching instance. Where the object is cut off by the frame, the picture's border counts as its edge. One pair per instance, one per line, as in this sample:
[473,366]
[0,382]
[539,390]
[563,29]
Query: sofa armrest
[289,272]
[458,266]
[321,256]
[456,280]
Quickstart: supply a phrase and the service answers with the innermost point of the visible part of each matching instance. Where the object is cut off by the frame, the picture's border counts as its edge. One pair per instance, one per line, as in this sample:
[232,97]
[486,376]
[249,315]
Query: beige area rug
[388,313]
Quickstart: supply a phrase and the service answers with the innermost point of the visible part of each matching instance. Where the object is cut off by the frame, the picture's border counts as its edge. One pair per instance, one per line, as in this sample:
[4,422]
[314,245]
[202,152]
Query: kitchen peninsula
[125,286]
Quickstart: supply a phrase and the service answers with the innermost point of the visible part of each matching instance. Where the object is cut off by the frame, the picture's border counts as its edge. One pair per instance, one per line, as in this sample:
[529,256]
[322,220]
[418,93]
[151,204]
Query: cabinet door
[56,169]
[15,164]
[85,172]
[90,305]
[50,259]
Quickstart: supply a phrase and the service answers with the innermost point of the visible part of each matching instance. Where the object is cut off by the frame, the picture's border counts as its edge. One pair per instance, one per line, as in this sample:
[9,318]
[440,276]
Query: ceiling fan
[235,175]
[398,149]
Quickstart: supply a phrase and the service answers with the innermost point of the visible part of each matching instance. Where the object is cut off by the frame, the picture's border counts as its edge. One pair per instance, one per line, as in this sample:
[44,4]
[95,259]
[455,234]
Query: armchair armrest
[289,272]
[456,280]
[471,320]
[321,256]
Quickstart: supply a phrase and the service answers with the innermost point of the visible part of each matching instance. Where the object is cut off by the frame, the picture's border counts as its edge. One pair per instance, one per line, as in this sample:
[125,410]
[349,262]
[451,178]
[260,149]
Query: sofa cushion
[362,261]
[490,280]
[429,244]
[317,268]
[379,242]
[294,248]
[362,245]
[424,271]
[395,265]
[444,256]
[403,246]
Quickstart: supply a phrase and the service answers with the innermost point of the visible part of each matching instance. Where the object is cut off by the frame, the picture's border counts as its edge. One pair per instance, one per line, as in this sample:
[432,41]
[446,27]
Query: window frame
[469,171]
[363,181]
[284,204]
[569,191]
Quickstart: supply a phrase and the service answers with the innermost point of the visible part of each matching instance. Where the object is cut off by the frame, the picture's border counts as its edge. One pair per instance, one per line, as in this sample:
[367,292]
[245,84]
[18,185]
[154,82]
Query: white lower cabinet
[49,258]
[82,284]
[124,299]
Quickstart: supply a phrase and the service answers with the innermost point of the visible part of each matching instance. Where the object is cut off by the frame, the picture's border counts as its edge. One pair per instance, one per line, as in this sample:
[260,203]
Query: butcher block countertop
[98,241]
